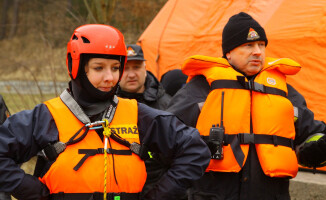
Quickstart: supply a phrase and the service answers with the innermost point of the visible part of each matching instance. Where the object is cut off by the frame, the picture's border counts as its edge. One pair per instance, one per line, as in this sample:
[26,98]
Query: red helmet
[94,39]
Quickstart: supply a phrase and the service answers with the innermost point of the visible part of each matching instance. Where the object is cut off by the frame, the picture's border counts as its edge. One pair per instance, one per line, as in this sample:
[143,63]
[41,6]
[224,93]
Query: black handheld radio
[216,135]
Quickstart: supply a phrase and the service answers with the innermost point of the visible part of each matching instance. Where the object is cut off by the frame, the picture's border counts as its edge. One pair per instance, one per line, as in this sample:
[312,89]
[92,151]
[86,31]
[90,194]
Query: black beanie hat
[241,28]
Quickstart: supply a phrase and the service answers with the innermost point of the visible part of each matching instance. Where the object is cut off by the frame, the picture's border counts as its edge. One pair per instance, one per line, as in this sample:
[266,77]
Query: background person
[173,80]
[251,119]
[140,84]
[95,141]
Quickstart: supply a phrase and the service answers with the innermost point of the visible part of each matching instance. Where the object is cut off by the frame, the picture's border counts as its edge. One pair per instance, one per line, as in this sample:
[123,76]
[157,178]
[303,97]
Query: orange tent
[295,29]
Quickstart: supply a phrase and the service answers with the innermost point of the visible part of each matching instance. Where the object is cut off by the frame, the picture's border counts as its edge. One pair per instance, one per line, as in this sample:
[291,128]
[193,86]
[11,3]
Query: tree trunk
[110,11]
[15,18]
[69,4]
[4,17]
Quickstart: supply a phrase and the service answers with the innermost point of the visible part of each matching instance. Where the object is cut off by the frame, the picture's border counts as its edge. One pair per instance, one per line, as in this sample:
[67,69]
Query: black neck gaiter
[131,95]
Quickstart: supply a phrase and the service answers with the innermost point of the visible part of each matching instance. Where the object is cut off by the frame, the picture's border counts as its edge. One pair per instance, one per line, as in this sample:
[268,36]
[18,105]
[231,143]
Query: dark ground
[308,186]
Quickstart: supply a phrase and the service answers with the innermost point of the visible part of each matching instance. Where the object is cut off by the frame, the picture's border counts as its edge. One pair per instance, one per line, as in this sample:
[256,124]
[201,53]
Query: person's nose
[131,74]
[108,76]
[256,50]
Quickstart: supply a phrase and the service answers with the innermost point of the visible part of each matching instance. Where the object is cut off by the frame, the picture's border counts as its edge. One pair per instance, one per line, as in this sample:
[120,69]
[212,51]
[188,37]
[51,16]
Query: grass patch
[18,102]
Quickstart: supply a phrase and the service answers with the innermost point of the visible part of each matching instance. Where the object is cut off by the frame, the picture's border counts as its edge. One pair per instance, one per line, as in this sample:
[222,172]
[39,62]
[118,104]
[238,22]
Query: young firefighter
[249,116]
[95,141]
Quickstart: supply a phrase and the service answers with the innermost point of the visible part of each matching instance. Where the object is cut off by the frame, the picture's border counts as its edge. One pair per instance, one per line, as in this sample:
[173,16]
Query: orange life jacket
[129,170]
[255,112]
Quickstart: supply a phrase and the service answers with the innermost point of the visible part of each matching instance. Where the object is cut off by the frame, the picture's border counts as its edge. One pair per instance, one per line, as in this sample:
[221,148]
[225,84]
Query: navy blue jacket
[153,96]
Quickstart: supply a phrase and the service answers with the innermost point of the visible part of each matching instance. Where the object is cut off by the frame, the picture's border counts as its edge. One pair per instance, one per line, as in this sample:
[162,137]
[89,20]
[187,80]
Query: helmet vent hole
[74,37]
[85,40]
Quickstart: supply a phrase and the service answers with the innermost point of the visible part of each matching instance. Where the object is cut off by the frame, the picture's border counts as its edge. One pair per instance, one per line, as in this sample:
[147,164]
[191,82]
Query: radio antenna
[222,105]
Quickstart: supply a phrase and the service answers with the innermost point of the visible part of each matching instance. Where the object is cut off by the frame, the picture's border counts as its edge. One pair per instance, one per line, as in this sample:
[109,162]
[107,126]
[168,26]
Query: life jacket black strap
[94,196]
[138,149]
[74,140]
[229,84]
[52,151]
[93,152]
[242,84]
[234,144]
[245,138]
[237,151]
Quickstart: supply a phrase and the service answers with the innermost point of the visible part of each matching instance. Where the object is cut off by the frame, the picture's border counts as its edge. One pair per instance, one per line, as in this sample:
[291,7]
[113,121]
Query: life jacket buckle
[140,150]
[52,151]
[135,148]
[258,87]
[275,140]
[247,138]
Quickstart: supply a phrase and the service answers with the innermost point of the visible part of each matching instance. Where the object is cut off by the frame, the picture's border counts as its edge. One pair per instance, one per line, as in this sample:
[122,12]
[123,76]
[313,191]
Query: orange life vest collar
[197,63]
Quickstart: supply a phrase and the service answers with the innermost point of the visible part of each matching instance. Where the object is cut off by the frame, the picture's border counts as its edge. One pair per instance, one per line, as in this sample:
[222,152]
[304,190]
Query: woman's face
[103,73]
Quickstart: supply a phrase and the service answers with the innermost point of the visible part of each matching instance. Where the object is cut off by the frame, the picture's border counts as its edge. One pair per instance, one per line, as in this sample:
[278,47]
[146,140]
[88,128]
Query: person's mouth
[132,81]
[255,62]
[105,89]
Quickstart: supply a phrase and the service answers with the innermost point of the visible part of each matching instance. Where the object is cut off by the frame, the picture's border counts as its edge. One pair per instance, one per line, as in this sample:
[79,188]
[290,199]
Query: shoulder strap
[52,151]
[241,83]
[74,107]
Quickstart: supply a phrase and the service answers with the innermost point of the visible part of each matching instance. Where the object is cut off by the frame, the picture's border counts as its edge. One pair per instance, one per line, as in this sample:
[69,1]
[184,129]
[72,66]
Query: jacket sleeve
[21,137]
[305,125]
[187,102]
[181,145]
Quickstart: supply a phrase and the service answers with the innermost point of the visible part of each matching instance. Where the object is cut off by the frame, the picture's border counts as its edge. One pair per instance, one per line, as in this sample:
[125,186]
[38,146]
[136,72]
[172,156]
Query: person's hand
[31,189]
[212,146]
[313,152]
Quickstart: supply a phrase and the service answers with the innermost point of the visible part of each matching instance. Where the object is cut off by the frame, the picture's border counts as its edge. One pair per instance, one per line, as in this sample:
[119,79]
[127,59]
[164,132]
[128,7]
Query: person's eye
[98,68]
[138,67]
[115,68]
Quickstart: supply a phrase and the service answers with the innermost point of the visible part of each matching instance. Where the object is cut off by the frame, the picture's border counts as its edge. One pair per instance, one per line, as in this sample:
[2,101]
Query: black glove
[31,189]
[167,188]
[212,146]
[313,152]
